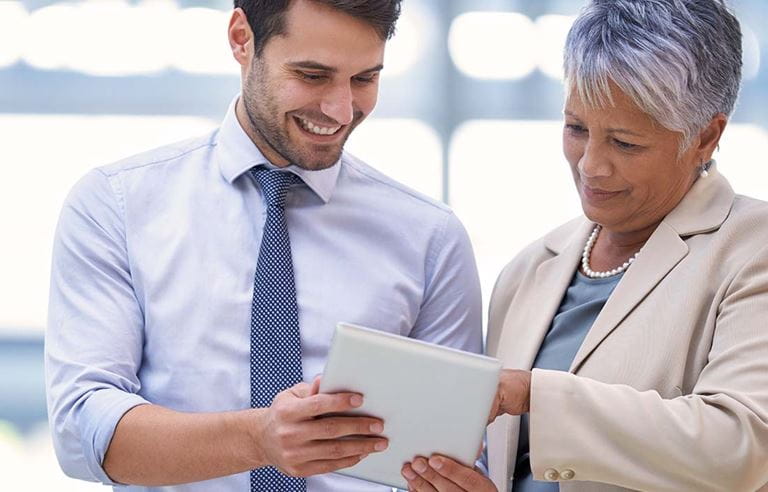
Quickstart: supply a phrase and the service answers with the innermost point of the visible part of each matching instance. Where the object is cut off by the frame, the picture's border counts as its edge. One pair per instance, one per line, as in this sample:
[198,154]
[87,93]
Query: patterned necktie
[275,341]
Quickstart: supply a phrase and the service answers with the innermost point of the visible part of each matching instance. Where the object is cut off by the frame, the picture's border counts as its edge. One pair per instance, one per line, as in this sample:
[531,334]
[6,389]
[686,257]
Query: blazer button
[567,474]
[551,474]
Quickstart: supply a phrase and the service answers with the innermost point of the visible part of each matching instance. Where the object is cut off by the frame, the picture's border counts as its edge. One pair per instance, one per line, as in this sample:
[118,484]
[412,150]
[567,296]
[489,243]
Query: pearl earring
[704,169]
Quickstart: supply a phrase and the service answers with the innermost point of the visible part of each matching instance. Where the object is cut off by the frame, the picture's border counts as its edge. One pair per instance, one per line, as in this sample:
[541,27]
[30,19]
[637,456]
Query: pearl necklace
[588,251]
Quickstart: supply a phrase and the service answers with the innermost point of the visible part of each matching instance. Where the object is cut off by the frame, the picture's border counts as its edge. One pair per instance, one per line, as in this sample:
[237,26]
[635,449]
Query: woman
[646,322]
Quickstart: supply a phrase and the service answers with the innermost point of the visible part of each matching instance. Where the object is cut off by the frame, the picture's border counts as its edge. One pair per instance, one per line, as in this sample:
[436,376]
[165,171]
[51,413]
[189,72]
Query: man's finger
[315,385]
[415,482]
[466,478]
[342,448]
[336,427]
[301,390]
[438,481]
[328,466]
[317,405]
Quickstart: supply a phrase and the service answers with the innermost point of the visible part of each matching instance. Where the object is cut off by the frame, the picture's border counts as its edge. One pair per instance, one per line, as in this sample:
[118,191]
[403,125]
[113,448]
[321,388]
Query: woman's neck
[612,248]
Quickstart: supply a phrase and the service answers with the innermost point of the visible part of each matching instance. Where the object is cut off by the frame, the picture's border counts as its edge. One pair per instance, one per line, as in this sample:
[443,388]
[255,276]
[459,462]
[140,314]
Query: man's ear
[709,137]
[240,36]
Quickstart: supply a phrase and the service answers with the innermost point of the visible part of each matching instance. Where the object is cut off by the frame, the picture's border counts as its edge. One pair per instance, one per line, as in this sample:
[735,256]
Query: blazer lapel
[663,250]
[703,209]
[534,310]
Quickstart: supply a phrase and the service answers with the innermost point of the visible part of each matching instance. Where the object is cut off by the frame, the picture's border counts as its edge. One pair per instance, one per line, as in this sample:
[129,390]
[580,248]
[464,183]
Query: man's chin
[317,162]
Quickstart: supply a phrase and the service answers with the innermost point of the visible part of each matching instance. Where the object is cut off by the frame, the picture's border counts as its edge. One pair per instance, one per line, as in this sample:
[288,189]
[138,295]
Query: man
[195,288]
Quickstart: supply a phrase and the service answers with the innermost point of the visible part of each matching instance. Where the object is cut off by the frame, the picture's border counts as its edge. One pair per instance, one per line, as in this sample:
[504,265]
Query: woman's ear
[709,137]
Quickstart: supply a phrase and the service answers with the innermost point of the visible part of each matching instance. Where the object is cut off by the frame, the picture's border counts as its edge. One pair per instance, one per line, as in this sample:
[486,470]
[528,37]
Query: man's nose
[337,104]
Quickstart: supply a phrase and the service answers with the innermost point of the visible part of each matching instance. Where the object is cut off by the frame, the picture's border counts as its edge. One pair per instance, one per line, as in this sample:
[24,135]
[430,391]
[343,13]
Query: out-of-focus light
[114,38]
[48,43]
[415,30]
[420,168]
[740,144]
[493,45]
[751,52]
[201,42]
[552,30]
[508,198]
[13,18]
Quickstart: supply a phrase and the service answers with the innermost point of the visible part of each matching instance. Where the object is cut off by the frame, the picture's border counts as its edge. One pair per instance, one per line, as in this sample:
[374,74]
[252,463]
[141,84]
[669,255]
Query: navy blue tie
[275,341]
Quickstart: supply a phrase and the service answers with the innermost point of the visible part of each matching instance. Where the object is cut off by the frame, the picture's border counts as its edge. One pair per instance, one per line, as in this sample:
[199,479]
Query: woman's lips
[598,194]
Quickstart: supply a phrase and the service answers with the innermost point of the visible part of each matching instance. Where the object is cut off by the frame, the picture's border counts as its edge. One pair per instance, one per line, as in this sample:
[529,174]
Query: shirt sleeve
[451,312]
[93,342]
[481,464]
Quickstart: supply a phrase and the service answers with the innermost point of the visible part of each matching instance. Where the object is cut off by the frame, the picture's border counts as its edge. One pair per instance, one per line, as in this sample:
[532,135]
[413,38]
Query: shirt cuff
[101,412]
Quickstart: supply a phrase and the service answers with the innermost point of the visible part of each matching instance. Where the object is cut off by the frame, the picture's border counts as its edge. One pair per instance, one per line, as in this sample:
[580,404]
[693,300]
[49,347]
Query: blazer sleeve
[713,439]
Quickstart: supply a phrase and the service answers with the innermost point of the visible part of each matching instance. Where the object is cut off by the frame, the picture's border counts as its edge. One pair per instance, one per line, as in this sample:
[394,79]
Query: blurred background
[469,113]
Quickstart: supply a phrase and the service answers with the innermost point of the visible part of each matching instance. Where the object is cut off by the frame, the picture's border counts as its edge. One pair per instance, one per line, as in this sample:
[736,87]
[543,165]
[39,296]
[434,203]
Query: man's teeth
[318,130]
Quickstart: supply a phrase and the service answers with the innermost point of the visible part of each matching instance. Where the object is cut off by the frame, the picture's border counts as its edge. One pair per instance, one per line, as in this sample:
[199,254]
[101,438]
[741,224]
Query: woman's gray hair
[678,60]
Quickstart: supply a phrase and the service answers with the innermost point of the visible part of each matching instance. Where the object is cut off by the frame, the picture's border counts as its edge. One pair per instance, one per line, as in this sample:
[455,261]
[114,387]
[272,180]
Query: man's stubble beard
[263,116]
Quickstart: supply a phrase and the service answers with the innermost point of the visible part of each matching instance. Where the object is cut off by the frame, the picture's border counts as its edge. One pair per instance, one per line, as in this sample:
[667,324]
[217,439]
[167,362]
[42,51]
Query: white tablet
[432,399]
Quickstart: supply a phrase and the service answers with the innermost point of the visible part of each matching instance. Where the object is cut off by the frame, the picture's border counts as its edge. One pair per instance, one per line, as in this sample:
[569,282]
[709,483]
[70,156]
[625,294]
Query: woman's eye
[575,128]
[625,145]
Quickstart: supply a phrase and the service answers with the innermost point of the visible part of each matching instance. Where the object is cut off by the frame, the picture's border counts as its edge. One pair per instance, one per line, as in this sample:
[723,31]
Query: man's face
[312,86]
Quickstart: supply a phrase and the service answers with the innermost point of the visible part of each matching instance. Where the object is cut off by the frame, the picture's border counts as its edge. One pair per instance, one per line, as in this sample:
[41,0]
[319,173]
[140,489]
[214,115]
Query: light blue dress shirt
[578,311]
[152,282]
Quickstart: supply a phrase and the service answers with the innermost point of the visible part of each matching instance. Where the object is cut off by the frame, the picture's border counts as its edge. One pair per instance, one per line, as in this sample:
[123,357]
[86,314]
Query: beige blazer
[669,390]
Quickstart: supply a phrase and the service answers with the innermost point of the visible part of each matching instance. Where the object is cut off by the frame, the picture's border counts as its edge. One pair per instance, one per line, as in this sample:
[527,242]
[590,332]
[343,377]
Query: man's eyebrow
[313,65]
[377,68]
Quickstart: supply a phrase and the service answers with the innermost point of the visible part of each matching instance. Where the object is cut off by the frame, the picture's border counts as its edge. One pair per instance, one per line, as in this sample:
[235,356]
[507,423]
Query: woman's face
[625,165]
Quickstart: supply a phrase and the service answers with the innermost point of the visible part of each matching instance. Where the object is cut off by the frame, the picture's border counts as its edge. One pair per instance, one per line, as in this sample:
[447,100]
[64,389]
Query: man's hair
[267,17]
[678,60]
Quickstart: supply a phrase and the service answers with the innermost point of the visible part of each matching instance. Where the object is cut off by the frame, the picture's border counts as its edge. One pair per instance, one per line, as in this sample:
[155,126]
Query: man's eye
[365,79]
[311,76]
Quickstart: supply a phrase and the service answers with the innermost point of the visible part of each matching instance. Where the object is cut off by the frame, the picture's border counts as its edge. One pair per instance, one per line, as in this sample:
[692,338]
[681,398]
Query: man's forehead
[309,18]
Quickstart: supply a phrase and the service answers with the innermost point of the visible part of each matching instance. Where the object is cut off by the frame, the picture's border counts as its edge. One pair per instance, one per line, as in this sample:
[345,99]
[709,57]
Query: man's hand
[513,395]
[298,436]
[441,474]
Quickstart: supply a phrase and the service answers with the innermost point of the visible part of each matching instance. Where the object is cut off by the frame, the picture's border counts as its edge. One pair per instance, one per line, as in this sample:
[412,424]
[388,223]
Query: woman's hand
[514,394]
[441,474]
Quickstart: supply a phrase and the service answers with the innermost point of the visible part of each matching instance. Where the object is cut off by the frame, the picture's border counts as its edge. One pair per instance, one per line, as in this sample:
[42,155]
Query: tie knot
[274,184]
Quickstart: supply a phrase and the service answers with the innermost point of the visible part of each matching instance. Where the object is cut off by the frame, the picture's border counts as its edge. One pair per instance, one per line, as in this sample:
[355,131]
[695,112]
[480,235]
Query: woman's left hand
[441,474]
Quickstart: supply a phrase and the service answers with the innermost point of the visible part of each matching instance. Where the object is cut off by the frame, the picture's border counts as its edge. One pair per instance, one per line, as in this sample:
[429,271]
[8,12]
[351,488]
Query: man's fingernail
[419,466]
[377,428]
[408,473]
[356,400]
[380,446]
[435,462]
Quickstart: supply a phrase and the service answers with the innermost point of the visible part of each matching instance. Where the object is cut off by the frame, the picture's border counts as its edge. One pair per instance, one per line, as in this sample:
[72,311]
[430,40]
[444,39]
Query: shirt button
[551,474]
[567,474]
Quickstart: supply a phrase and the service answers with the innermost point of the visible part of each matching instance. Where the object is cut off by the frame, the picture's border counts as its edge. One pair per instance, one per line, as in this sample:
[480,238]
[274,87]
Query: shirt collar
[237,154]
